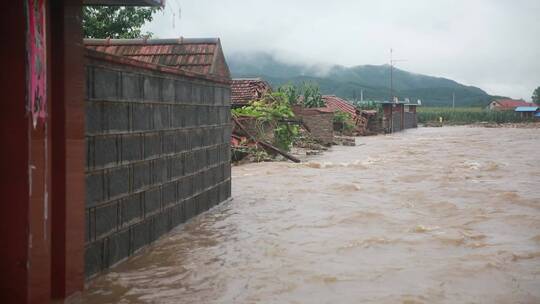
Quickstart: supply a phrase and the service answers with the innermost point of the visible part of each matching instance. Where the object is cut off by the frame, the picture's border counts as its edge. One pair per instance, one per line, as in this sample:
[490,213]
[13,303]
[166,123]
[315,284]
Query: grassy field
[466,115]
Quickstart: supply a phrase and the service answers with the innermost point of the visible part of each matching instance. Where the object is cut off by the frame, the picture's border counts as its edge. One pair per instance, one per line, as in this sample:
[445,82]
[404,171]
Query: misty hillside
[346,82]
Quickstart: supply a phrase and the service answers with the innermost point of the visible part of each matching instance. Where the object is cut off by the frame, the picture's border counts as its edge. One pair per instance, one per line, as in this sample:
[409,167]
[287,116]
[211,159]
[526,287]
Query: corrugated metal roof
[198,55]
[244,90]
[526,109]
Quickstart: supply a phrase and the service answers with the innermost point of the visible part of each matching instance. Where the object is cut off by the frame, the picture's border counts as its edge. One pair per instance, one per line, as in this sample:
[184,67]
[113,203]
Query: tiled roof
[198,55]
[337,104]
[244,90]
[511,103]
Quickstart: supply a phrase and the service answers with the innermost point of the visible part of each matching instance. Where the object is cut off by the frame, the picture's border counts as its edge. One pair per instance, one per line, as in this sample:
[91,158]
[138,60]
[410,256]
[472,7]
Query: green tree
[116,21]
[536,96]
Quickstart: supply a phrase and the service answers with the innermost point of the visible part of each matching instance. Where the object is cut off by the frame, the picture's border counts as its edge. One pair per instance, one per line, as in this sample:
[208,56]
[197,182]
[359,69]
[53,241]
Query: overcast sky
[492,44]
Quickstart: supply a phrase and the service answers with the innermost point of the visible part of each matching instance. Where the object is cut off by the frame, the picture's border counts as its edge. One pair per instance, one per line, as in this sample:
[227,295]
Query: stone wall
[319,121]
[157,154]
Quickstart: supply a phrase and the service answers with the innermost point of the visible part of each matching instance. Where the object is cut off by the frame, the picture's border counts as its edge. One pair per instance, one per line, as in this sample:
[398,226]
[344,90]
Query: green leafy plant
[536,96]
[466,115]
[312,96]
[292,93]
[308,94]
[344,120]
[275,109]
[116,21]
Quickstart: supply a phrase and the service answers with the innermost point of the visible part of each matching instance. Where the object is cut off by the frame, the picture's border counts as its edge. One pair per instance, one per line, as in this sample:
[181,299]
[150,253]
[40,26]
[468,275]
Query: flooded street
[433,215]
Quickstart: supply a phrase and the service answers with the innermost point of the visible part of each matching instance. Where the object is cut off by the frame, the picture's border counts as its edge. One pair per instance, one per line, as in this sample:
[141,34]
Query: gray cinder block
[93,255]
[118,247]
[141,117]
[140,235]
[131,147]
[141,175]
[94,189]
[161,117]
[168,142]
[152,201]
[152,88]
[105,84]
[131,86]
[116,116]
[118,181]
[183,92]
[152,145]
[93,117]
[131,209]
[168,193]
[168,90]
[106,219]
[159,171]
[105,150]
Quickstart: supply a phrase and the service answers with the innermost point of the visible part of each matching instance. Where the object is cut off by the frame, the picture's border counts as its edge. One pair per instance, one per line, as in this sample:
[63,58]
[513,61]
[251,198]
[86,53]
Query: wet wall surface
[157,149]
[430,215]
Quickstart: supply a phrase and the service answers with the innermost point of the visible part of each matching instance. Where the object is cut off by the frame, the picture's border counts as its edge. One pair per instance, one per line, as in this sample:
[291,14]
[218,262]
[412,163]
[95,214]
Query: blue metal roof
[526,109]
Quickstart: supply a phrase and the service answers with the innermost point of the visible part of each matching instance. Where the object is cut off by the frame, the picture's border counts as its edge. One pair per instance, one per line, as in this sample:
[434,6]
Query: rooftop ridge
[144,41]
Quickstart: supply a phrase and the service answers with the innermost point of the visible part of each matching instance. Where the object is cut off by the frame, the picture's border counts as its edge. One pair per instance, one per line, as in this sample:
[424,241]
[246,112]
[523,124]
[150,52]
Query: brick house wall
[319,121]
[158,153]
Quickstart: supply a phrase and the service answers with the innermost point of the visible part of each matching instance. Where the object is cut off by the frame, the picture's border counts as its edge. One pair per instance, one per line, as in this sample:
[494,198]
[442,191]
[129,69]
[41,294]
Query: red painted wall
[13,158]
[36,191]
[68,149]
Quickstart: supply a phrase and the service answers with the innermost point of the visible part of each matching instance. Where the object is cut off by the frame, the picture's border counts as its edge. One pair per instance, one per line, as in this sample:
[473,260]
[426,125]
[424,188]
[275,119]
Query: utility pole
[453,100]
[392,60]
[391,77]
[362,95]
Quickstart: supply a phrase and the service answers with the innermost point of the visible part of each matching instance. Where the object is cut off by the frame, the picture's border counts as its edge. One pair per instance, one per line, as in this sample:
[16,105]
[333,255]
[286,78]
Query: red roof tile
[337,104]
[198,55]
[511,103]
[247,89]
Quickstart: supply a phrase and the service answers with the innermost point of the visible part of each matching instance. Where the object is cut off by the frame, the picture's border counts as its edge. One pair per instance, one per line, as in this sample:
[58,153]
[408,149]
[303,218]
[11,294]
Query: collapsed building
[244,90]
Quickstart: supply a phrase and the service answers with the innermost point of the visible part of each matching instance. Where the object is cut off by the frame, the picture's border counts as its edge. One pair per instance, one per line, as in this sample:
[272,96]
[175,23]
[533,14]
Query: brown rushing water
[434,215]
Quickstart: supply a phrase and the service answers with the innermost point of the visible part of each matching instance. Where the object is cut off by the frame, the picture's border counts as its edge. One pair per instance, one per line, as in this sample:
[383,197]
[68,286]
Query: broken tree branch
[265,144]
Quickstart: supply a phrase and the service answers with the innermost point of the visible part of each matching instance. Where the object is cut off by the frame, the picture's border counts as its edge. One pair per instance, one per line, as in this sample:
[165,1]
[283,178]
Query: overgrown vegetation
[275,109]
[367,105]
[307,94]
[536,96]
[466,115]
[116,21]
[344,120]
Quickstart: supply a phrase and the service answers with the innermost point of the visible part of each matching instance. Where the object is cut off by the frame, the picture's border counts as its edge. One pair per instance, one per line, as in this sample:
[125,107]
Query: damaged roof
[337,104]
[244,90]
[198,55]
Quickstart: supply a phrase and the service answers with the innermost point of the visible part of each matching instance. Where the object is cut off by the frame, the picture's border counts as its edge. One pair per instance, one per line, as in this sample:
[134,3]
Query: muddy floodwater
[433,215]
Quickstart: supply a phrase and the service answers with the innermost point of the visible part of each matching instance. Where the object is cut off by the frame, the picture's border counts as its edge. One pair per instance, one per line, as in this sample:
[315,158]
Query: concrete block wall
[157,147]
[409,120]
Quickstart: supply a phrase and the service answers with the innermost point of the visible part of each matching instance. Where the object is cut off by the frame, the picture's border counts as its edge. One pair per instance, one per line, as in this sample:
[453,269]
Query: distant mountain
[373,80]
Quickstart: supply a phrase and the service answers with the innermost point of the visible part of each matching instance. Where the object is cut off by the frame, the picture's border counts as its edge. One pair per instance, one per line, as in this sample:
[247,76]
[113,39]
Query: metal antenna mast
[392,60]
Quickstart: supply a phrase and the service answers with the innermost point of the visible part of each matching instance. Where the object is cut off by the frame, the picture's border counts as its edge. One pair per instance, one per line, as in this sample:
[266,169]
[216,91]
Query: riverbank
[429,215]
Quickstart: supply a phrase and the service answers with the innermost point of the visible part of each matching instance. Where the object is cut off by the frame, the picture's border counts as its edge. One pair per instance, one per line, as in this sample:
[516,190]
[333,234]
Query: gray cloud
[493,44]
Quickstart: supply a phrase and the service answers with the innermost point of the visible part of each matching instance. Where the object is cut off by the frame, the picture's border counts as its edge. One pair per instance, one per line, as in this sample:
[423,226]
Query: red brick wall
[320,123]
